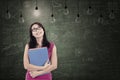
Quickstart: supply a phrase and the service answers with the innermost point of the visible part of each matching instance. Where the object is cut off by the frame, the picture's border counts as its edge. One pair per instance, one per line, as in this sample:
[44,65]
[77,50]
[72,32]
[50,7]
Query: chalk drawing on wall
[77,52]
[87,59]
[56,4]
[12,47]
[86,34]
[68,35]
[53,36]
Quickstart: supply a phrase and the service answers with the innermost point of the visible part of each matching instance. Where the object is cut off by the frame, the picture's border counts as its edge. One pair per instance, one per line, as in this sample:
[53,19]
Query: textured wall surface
[87,50]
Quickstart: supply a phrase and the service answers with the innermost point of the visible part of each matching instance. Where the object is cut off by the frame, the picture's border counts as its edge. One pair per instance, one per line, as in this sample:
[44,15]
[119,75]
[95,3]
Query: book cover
[38,56]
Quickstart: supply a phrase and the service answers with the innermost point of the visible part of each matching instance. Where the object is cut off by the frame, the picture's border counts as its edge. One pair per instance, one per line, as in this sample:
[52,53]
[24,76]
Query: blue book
[38,56]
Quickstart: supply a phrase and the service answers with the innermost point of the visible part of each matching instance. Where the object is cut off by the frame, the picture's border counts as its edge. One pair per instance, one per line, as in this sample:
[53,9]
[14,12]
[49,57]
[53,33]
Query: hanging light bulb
[66,11]
[100,19]
[21,19]
[52,19]
[77,19]
[36,12]
[36,8]
[112,15]
[89,10]
[7,14]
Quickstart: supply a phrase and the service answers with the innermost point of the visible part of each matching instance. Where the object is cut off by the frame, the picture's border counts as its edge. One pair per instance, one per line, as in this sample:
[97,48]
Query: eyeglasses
[35,29]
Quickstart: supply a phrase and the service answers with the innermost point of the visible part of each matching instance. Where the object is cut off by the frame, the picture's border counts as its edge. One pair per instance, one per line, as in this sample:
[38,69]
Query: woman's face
[37,31]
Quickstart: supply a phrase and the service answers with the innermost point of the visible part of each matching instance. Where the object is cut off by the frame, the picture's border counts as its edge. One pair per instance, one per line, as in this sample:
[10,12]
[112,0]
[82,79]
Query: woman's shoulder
[52,43]
[52,46]
[26,45]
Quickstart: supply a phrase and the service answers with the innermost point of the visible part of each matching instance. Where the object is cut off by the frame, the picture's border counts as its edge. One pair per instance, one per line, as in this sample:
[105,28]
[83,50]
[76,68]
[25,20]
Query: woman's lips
[38,33]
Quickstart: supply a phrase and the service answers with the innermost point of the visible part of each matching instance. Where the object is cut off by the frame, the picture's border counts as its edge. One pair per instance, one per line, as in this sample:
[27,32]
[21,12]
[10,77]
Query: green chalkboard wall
[87,49]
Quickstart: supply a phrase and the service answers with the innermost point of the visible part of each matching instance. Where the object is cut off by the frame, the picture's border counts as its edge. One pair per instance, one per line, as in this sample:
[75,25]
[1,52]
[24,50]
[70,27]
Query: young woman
[38,39]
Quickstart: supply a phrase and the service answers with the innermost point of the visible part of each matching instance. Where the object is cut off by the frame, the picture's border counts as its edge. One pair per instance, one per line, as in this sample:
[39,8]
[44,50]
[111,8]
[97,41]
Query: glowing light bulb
[7,15]
[36,13]
[89,10]
[66,11]
[112,15]
[77,19]
[21,19]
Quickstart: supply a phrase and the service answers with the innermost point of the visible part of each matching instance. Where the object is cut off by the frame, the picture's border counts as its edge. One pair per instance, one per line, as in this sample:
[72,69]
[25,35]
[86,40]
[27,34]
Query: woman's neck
[39,41]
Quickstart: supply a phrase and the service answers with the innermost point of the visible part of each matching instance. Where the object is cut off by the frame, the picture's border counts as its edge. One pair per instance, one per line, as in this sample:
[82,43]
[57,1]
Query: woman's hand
[47,64]
[37,73]
[33,74]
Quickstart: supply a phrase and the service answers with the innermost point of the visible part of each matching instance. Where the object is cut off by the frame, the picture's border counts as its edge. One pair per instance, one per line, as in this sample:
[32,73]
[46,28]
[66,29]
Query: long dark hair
[33,43]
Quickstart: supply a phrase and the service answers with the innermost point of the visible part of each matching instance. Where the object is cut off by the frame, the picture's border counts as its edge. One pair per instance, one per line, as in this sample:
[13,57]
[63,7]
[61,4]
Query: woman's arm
[53,64]
[50,68]
[26,63]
